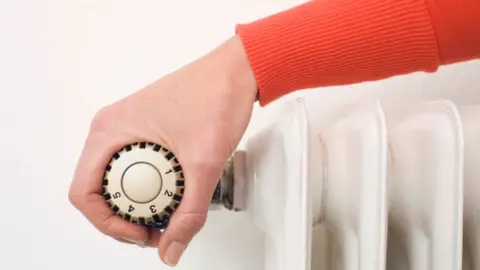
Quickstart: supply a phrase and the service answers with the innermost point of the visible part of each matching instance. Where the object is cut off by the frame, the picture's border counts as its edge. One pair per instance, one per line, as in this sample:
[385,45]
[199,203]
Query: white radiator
[365,188]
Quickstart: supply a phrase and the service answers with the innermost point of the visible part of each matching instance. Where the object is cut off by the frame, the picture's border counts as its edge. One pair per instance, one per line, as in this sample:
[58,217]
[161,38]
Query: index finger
[86,189]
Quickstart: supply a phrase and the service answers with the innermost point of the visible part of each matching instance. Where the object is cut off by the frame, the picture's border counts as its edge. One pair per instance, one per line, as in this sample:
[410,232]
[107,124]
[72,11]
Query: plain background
[62,60]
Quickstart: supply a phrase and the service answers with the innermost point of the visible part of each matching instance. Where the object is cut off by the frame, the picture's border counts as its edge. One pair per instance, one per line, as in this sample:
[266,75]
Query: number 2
[168,193]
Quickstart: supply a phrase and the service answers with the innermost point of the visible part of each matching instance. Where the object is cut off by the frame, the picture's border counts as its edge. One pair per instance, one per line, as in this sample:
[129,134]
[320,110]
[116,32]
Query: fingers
[154,236]
[85,191]
[98,212]
[189,218]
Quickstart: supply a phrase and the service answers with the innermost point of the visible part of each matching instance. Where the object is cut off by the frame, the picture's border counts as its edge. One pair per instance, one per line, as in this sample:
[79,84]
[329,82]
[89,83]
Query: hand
[200,112]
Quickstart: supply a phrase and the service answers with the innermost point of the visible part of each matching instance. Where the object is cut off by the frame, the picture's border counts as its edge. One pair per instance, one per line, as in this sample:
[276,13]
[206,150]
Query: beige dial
[144,184]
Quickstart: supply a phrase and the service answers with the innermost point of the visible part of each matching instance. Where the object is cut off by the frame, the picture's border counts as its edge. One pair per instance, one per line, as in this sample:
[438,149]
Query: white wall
[62,60]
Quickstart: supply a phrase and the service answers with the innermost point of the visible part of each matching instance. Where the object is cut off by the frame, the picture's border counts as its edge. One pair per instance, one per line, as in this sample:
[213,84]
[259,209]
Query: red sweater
[336,42]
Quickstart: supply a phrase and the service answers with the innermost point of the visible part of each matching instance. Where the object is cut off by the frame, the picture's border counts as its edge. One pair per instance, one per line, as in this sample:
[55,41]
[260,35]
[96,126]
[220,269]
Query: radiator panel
[364,186]
[426,186]
[471,215]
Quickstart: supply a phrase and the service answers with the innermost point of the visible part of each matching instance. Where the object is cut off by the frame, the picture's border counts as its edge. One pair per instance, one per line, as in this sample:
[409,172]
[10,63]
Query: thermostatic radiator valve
[144,184]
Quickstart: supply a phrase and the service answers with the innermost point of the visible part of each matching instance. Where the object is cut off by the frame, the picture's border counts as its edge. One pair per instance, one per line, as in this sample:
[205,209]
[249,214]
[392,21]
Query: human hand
[200,112]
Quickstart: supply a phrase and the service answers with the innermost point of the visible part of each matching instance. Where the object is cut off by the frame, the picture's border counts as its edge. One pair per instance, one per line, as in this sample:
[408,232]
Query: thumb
[190,216]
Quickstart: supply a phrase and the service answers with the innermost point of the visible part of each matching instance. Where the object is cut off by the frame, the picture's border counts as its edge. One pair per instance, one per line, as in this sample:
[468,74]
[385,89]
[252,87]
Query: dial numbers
[144,184]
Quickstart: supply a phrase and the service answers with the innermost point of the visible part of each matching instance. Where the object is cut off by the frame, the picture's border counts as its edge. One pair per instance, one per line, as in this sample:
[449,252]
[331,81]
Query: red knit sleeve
[336,42]
[457,28]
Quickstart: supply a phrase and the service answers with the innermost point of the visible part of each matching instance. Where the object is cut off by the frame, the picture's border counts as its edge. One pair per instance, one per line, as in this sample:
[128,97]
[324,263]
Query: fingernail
[174,252]
[137,242]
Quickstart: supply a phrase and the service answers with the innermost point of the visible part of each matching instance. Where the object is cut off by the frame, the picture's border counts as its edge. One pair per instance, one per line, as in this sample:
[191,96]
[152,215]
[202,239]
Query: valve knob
[144,184]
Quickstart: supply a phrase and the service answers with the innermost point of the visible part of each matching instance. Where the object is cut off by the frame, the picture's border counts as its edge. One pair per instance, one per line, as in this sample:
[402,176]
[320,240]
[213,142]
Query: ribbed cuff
[457,26]
[337,42]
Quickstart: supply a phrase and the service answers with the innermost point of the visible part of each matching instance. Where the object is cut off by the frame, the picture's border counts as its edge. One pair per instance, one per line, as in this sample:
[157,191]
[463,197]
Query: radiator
[363,187]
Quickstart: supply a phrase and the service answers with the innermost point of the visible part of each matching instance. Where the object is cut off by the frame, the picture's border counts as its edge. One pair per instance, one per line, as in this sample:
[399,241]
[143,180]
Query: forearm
[336,42]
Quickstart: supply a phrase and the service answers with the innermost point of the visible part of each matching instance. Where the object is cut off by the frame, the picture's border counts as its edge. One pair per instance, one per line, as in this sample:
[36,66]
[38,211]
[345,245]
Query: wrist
[237,68]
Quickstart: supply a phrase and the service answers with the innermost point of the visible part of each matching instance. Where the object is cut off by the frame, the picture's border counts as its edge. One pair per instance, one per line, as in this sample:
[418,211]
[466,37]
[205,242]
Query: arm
[335,42]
